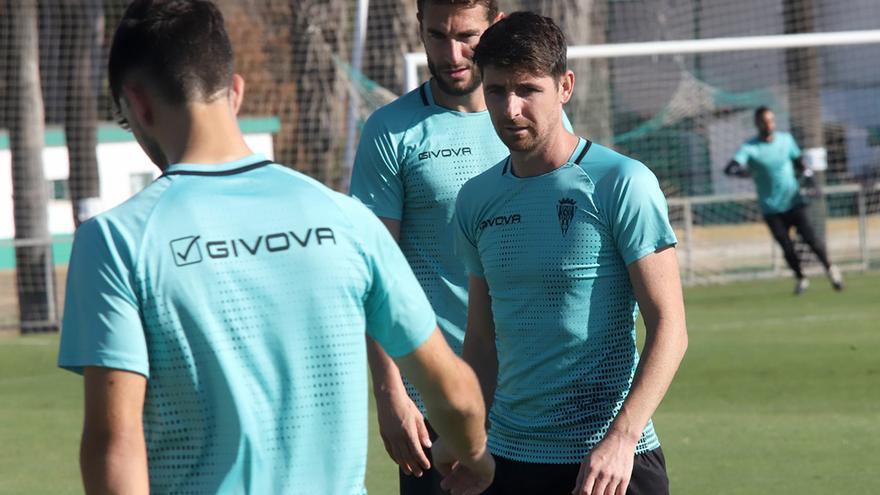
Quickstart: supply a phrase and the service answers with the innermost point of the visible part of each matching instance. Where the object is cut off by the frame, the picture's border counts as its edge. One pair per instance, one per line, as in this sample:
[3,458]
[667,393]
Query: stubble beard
[451,90]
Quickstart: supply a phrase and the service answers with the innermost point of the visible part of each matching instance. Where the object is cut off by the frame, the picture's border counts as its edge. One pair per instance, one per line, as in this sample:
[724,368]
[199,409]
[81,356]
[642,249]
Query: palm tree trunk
[83,26]
[33,253]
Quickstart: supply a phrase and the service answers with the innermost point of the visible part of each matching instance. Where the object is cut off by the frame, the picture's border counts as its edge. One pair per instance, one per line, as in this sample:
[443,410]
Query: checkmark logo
[186,250]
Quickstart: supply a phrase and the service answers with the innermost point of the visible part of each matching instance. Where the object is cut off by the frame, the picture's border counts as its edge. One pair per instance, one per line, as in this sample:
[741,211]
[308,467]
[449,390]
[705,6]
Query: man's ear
[139,103]
[567,86]
[237,93]
[497,17]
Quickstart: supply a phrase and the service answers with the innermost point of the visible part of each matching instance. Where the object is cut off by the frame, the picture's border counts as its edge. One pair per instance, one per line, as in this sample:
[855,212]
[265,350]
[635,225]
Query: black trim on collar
[506,164]
[583,152]
[424,95]
[234,171]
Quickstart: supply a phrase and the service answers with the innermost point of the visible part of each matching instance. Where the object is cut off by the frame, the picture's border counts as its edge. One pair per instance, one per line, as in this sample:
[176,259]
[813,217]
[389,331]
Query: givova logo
[501,220]
[188,250]
[445,153]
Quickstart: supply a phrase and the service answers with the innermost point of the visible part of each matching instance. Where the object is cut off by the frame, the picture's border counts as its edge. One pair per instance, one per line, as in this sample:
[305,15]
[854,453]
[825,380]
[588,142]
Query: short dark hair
[180,47]
[524,42]
[760,111]
[491,6]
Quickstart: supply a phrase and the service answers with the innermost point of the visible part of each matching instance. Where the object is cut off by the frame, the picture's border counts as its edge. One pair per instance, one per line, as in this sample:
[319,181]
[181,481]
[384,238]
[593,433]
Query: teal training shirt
[554,251]
[773,171]
[242,292]
[413,157]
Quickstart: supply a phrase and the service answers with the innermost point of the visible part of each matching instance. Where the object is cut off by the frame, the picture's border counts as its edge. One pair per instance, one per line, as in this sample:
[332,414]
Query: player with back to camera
[565,241]
[773,159]
[218,316]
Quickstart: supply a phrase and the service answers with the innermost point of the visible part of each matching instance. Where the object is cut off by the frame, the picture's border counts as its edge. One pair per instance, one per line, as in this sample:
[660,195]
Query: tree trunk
[392,31]
[584,22]
[83,28]
[320,29]
[33,253]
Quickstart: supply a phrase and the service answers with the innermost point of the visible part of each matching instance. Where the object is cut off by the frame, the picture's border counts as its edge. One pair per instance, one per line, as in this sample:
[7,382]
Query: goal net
[683,104]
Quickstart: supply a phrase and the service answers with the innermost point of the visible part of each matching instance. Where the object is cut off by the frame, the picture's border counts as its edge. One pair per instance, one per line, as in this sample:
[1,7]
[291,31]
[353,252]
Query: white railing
[690,251]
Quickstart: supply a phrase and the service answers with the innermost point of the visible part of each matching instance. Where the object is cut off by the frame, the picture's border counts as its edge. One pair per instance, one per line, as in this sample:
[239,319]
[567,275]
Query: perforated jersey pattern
[244,300]
[553,253]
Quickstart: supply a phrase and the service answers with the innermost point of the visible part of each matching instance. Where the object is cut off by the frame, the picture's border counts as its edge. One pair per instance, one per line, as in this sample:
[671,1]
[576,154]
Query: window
[59,189]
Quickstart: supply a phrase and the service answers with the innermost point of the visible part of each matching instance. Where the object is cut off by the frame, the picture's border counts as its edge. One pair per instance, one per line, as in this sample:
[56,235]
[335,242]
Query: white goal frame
[413,61]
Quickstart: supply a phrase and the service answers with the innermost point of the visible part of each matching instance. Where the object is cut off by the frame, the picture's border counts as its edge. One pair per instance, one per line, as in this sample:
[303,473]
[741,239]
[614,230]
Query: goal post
[684,107]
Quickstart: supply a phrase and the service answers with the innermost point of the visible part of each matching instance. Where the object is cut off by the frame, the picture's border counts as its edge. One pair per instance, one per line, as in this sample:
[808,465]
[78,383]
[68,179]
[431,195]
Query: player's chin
[517,142]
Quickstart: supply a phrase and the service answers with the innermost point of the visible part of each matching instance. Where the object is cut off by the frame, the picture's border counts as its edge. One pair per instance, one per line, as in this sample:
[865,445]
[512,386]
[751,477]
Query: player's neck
[767,138]
[547,157]
[469,103]
[211,136]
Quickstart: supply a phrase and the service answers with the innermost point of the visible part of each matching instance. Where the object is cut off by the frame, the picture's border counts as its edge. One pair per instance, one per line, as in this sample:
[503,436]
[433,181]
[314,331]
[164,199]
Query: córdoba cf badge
[565,210]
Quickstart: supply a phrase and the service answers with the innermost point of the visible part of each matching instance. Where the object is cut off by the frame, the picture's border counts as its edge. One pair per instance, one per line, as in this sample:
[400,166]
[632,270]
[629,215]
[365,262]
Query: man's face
[766,123]
[525,108]
[450,33]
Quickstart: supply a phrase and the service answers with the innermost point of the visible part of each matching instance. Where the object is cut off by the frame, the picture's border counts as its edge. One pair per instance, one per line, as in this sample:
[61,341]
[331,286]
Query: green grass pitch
[777,394]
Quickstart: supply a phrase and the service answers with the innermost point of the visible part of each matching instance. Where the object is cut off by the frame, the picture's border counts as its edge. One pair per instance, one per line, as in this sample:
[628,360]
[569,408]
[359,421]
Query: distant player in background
[219,315]
[565,241]
[414,155]
[773,159]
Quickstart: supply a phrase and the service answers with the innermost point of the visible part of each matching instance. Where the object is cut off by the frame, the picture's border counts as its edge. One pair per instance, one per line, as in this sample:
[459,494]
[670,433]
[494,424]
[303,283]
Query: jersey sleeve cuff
[648,249]
[78,365]
[425,330]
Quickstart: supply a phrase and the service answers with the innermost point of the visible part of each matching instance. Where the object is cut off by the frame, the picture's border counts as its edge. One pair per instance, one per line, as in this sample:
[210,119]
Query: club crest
[565,210]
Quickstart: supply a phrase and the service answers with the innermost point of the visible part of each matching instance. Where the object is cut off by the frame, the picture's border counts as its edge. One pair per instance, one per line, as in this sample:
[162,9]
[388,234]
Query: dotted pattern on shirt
[224,363]
[459,146]
[564,313]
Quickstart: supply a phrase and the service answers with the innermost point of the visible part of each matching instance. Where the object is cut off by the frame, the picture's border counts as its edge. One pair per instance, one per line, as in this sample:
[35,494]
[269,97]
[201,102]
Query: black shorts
[524,478]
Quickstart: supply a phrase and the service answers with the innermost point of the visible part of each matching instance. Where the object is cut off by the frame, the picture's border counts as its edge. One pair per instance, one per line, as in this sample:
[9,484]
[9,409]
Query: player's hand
[734,169]
[607,469]
[404,432]
[463,476]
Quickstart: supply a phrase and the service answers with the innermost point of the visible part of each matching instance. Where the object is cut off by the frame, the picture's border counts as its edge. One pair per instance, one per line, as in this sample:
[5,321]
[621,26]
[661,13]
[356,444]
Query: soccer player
[413,156]
[564,241]
[773,159]
[218,316]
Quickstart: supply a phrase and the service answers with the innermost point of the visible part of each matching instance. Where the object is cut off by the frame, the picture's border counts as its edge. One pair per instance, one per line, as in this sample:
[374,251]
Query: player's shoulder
[604,163]
[123,226]
[319,197]
[399,115]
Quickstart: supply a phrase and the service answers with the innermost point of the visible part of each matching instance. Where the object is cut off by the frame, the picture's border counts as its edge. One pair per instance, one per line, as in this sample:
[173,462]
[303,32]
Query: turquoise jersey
[412,159]
[773,171]
[242,291]
[554,251]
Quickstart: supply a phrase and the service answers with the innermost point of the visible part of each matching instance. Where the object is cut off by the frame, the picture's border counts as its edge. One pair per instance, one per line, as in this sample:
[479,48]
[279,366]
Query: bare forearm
[480,353]
[451,394]
[114,464]
[386,375]
[458,414]
[663,352]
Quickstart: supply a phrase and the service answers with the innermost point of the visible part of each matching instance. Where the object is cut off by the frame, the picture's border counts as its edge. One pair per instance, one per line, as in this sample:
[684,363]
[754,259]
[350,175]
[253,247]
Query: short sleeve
[102,325]
[742,155]
[465,238]
[375,177]
[794,150]
[640,222]
[399,316]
